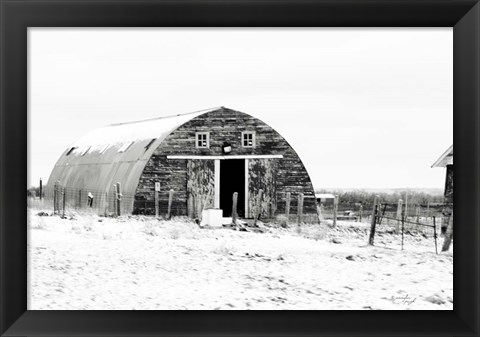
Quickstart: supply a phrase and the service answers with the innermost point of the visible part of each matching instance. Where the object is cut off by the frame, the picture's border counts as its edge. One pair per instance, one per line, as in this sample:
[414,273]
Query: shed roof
[115,153]
[445,159]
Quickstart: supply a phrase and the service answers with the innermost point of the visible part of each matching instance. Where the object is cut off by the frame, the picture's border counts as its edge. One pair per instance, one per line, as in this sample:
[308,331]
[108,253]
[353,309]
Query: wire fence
[394,219]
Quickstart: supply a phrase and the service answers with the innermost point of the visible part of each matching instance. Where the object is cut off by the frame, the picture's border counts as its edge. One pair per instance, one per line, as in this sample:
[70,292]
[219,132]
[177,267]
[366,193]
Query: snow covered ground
[92,262]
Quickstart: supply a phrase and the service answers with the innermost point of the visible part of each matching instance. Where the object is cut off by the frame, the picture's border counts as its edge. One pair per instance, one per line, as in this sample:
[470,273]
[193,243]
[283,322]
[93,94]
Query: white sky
[368,108]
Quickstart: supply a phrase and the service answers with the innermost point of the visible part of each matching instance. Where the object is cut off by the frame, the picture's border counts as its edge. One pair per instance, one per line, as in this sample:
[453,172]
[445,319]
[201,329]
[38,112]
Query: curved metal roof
[115,153]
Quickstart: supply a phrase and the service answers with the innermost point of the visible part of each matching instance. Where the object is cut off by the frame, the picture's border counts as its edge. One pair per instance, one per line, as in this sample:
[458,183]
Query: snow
[133,263]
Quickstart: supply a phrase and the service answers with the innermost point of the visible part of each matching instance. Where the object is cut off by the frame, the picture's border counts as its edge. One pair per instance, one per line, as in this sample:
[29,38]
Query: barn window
[149,144]
[248,139]
[71,150]
[104,148]
[84,152]
[202,140]
[125,147]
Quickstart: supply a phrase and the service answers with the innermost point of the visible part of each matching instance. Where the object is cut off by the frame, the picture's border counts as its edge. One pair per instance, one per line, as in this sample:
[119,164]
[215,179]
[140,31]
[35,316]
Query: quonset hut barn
[204,157]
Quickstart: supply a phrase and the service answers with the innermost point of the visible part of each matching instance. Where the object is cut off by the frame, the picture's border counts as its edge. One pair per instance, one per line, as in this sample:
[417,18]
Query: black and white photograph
[240,168]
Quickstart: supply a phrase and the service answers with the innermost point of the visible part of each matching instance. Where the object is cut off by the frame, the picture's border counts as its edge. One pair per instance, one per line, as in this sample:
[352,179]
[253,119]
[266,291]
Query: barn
[200,158]
[446,161]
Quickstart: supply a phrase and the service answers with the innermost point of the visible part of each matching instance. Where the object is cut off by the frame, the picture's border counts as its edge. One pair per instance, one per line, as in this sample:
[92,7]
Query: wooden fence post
[258,207]
[63,202]
[157,189]
[417,211]
[406,205]
[361,212]
[41,189]
[399,213]
[119,199]
[373,223]
[300,209]
[106,204]
[287,207]
[435,235]
[234,207]
[115,197]
[399,209]
[55,198]
[79,203]
[170,200]
[335,209]
[403,222]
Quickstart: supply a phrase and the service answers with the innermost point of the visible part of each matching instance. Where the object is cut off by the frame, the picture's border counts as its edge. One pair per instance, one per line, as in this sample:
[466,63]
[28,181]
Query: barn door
[262,174]
[200,186]
[232,179]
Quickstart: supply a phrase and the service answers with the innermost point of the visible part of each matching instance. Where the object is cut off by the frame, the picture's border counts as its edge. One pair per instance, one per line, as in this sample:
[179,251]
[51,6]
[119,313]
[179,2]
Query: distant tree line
[356,197]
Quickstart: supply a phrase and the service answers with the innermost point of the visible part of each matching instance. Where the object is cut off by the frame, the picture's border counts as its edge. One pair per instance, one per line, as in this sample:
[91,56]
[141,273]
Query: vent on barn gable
[149,144]
[105,147]
[70,151]
[86,150]
[125,147]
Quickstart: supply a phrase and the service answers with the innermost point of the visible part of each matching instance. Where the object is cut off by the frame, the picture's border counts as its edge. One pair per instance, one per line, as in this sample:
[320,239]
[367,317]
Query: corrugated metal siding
[97,171]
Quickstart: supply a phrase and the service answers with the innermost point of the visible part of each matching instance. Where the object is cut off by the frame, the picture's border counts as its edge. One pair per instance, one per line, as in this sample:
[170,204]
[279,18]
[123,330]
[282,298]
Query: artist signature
[405,300]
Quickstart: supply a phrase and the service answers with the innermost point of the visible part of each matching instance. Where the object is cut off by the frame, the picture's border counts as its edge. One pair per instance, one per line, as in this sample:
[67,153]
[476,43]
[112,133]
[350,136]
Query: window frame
[245,133]
[202,133]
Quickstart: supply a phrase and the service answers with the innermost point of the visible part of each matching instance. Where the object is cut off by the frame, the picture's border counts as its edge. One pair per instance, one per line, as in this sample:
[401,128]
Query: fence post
[335,209]
[373,223]
[63,202]
[417,211]
[319,210]
[258,207]
[55,198]
[156,204]
[234,207]
[115,197]
[79,203]
[106,204]
[300,209]
[435,235]
[399,209]
[403,222]
[119,199]
[406,205]
[170,200]
[41,188]
[287,207]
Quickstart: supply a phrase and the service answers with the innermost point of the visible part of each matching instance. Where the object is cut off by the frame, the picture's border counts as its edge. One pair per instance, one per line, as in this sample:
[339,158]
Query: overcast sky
[363,108]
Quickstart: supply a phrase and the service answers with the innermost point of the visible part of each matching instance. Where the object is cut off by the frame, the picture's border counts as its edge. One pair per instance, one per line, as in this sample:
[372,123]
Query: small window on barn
[71,150]
[84,152]
[149,144]
[125,147]
[202,140]
[104,148]
[248,139]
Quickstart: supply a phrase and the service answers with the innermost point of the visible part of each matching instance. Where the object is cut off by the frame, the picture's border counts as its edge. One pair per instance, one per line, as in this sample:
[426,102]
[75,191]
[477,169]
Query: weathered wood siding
[449,185]
[226,125]
[200,186]
[262,174]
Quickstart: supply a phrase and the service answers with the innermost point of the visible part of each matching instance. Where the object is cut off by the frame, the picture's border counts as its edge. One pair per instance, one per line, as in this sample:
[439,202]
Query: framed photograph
[238,168]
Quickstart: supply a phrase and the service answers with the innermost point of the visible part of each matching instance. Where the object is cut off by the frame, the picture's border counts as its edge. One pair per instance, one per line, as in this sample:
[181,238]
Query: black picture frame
[17,15]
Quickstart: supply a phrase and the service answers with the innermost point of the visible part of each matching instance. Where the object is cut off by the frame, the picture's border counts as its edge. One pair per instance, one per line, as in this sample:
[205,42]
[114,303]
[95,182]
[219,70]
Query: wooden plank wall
[226,125]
